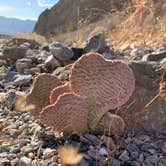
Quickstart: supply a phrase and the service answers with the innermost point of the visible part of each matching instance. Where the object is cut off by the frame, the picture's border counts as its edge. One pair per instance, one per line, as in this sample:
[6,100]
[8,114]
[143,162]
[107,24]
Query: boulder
[96,43]
[61,52]
[13,53]
[136,113]
[51,63]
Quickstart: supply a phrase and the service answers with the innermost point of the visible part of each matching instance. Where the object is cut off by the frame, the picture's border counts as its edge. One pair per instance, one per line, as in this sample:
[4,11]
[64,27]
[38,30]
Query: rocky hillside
[67,14]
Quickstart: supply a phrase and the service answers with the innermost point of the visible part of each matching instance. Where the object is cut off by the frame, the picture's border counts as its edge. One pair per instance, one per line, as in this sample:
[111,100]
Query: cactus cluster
[95,86]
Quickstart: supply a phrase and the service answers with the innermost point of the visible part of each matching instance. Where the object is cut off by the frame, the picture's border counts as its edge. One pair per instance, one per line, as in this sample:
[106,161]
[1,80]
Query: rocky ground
[25,141]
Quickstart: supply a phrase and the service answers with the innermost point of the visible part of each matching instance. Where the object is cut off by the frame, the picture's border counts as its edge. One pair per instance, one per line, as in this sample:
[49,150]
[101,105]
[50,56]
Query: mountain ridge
[12,26]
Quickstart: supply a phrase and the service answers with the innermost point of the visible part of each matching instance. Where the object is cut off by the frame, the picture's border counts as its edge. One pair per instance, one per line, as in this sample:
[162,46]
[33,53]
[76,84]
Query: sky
[24,9]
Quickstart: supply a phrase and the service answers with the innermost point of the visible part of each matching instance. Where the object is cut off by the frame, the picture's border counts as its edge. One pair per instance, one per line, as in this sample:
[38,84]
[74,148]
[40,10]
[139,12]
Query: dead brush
[134,27]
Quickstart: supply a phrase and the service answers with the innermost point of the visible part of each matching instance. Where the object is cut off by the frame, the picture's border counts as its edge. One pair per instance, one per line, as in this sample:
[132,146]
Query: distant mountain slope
[66,14]
[11,26]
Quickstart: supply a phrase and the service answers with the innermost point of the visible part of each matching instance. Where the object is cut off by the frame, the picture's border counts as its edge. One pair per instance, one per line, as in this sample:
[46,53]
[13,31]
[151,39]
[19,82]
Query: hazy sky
[24,9]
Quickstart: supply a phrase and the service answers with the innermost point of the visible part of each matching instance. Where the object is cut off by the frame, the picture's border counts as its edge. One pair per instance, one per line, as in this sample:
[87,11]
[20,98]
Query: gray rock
[96,43]
[63,73]
[103,151]
[26,149]
[115,162]
[15,162]
[5,147]
[14,149]
[162,161]
[151,159]
[92,139]
[22,80]
[147,85]
[13,53]
[2,62]
[163,61]
[61,52]
[4,162]
[124,156]
[23,64]
[94,154]
[25,161]
[51,63]
[134,151]
[156,56]
[48,153]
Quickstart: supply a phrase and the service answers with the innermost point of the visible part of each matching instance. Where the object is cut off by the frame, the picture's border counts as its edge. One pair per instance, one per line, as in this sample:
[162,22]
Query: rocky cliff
[67,14]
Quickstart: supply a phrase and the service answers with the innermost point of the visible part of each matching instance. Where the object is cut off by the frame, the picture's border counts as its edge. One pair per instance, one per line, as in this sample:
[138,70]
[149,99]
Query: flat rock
[13,53]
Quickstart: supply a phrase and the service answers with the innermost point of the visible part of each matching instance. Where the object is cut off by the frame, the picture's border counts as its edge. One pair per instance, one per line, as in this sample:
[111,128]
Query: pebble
[124,156]
[115,162]
[25,161]
[48,153]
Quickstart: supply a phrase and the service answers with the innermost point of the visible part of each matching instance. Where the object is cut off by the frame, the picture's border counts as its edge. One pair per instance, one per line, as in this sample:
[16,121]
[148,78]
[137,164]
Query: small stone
[15,149]
[103,151]
[86,162]
[151,159]
[134,151]
[124,156]
[25,161]
[26,149]
[35,70]
[14,132]
[115,162]
[22,80]
[4,162]
[23,64]
[93,153]
[162,161]
[5,147]
[15,162]
[92,139]
[48,153]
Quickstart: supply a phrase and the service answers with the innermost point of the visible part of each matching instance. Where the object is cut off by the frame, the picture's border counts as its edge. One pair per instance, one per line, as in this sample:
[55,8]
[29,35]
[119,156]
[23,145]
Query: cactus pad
[59,91]
[112,124]
[107,84]
[68,114]
[40,92]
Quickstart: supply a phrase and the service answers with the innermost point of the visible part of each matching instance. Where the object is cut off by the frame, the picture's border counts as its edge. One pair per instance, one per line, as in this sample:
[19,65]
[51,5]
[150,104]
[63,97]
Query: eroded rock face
[152,118]
[54,22]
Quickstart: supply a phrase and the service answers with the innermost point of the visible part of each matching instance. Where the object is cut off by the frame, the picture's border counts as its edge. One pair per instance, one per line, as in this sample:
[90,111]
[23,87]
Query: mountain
[67,14]
[11,26]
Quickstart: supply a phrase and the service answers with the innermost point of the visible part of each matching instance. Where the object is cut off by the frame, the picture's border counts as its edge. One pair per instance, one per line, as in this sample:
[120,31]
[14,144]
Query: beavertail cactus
[39,94]
[82,104]
[107,84]
[67,114]
[59,91]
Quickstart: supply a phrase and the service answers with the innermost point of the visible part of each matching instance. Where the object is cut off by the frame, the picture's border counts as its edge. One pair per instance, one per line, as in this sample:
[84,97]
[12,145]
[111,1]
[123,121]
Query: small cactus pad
[59,91]
[107,83]
[68,114]
[112,124]
[40,92]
